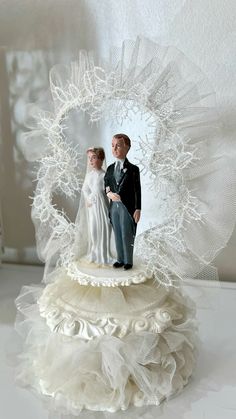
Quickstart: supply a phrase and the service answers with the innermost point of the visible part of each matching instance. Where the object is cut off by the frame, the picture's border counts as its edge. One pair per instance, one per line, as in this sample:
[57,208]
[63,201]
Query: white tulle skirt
[104,348]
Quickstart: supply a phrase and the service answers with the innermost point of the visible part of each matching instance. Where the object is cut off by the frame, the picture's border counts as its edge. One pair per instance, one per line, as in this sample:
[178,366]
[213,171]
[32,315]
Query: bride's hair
[99,151]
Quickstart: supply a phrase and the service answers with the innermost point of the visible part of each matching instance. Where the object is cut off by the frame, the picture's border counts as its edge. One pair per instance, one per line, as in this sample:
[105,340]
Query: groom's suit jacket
[128,187]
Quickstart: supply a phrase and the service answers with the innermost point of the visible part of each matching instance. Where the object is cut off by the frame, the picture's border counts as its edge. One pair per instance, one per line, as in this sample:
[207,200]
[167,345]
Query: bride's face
[94,161]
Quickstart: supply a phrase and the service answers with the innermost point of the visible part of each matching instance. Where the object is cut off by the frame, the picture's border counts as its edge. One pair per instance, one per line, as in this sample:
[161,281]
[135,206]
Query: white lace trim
[182,145]
[134,276]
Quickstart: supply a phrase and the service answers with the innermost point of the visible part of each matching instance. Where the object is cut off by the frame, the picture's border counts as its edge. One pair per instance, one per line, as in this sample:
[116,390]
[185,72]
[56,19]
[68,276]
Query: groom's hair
[125,138]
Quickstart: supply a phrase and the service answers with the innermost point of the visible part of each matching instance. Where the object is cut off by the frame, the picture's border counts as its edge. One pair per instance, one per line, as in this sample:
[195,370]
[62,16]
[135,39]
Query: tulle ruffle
[184,155]
[145,356]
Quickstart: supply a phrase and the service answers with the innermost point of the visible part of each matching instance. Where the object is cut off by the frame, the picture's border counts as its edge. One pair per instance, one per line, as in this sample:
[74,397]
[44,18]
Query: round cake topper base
[106,275]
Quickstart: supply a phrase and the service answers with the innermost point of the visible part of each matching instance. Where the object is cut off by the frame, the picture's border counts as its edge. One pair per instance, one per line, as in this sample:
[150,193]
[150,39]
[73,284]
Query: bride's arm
[87,192]
[111,195]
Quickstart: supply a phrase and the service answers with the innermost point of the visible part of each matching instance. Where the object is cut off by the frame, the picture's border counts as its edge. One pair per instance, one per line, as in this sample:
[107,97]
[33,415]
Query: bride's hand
[91,200]
[113,196]
[136,215]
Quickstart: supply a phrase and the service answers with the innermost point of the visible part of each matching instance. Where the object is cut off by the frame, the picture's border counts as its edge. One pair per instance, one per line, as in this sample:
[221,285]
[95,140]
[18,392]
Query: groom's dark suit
[121,213]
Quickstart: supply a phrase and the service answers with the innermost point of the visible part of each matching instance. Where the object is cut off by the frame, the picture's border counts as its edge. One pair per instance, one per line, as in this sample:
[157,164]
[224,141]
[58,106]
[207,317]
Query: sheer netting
[185,156]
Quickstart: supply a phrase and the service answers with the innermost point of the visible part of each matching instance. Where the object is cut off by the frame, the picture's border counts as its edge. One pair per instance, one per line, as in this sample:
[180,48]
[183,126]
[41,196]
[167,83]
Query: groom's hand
[114,196]
[136,216]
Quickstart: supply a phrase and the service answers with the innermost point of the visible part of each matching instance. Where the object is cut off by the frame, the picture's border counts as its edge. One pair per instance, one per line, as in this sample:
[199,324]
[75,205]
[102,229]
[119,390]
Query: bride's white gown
[97,218]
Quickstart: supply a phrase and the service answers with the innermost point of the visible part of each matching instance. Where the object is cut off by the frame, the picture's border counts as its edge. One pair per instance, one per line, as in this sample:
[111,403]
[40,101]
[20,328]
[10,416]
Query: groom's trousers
[124,230]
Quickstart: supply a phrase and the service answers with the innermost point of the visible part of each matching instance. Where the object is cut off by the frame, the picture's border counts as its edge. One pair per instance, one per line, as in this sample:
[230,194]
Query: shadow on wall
[24,77]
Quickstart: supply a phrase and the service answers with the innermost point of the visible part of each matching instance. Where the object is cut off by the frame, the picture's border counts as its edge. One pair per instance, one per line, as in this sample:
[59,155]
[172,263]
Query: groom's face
[119,148]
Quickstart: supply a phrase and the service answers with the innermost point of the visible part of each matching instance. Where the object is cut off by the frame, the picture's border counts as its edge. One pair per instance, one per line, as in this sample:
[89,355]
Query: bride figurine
[94,229]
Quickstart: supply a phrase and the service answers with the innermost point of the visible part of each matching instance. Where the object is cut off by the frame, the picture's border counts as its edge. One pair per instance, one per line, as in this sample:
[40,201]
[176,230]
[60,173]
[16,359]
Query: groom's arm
[137,188]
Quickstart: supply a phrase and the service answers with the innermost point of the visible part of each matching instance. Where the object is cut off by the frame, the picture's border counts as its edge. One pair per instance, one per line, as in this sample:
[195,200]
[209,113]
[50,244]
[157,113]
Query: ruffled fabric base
[104,348]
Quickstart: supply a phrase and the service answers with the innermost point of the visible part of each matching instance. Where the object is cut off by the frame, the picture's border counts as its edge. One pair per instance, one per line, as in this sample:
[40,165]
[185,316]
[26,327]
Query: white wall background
[35,34]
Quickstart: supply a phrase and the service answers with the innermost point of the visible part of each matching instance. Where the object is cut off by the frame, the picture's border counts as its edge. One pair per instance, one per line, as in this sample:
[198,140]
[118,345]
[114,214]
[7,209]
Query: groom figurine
[122,186]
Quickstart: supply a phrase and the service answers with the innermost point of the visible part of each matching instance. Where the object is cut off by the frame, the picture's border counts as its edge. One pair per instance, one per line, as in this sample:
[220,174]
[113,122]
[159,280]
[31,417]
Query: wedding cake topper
[118,188]
[88,340]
